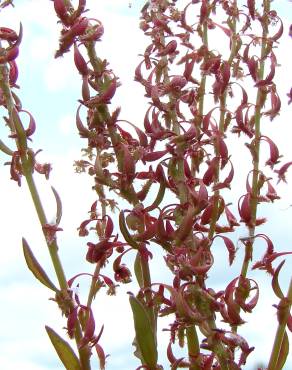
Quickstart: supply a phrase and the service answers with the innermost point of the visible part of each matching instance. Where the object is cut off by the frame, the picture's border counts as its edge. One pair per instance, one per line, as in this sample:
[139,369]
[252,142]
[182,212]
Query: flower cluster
[175,173]
[183,149]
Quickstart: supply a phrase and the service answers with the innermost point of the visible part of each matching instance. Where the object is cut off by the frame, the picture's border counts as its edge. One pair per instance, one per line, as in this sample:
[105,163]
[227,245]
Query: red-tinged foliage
[186,137]
[282,171]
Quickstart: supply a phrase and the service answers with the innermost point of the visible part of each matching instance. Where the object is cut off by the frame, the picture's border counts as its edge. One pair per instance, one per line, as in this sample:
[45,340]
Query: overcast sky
[49,90]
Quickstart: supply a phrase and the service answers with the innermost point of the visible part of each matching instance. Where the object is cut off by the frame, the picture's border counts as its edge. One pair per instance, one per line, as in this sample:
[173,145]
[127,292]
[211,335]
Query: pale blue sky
[49,90]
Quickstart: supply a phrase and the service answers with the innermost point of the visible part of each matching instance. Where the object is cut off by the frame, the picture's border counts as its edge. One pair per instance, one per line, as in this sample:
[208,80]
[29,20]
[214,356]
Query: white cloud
[67,124]
[60,74]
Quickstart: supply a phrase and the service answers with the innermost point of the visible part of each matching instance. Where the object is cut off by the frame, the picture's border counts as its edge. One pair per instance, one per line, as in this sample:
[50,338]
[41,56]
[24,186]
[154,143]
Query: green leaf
[64,351]
[35,267]
[59,205]
[124,230]
[145,339]
[275,281]
[284,350]
[4,148]
[158,199]
[138,270]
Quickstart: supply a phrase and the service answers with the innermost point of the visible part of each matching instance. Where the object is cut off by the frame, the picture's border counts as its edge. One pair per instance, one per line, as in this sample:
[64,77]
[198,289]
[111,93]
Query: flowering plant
[163,187]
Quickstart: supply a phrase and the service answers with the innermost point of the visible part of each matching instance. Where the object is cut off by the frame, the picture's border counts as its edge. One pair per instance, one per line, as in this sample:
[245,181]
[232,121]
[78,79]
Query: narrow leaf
[138,270]
[145,338]
[64,351]
[275,281]
[4,148]
[124,230]
[59,206]
[35,267]
[158,199]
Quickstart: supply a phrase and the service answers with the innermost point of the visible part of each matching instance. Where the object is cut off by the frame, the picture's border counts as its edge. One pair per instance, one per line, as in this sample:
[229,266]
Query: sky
[49,89]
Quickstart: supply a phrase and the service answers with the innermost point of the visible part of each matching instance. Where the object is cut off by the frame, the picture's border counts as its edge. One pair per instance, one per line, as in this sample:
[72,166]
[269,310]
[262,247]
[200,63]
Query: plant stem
[27,172]
[193,347]
[284,312]
[129,193]
[255,190]
[84,353]
[52,247]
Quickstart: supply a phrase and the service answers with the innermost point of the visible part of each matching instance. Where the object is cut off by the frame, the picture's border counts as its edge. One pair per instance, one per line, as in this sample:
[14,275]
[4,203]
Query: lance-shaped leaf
[138,270]
[274,152]
[35,267]
[268,80]
[83,131]
[227,181]
[154,156]
[4,148]
[244,209]
[275,281]
[173,360]
[145,338]
[89,328]
[210,174]
[59,205]
[124,230]
[230,247]
[279,33]
[142,136]
[271,193]
[64,351]
[282,171]
[101,355]
[31,126]
[158,199]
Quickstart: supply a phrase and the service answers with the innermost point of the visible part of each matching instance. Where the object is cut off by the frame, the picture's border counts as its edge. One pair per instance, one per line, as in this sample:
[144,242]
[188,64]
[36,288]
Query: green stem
[93,289]
[52,247]
[220,351]
[217,192]
[129,193]
[256,148]
[284,312]
[204,77]
[27,172]
[84,353]
[193,347]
